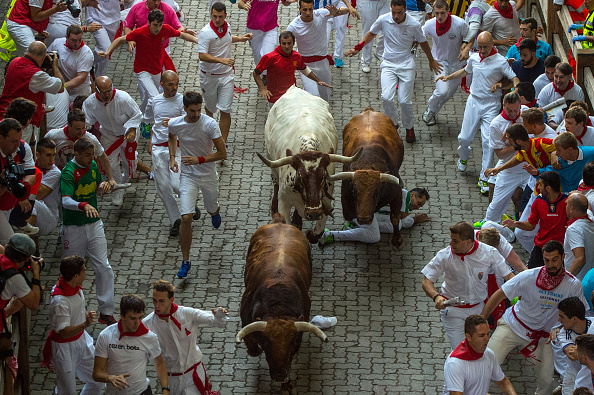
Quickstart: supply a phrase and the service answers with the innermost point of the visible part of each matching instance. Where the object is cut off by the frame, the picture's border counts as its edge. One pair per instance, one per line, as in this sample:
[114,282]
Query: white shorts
[217,91]
[188,192]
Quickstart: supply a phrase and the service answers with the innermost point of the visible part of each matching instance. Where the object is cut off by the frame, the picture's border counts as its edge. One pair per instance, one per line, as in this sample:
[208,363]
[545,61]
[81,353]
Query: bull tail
[278,218]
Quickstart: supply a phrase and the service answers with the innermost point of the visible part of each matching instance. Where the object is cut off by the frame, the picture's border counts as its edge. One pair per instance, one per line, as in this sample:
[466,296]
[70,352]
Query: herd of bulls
[275,307]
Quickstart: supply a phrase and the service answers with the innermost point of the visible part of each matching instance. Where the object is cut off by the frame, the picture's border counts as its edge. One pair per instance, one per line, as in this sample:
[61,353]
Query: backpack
[4,276]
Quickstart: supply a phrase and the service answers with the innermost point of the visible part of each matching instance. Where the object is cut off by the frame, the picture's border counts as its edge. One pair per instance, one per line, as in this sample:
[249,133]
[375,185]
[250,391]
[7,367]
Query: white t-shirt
[127,355]
[487,72]
[43,82]
[548,95]
[66,311]
[504,248]
[15,286]
[398,39]
[73,62]
[160,108]
[471,377]
[540,82]
[65,146]
[500,27]
[196,139]
[567,338]
[311,36]
[108,12]
[65,17]
[466,278]
[115,117]
[537,308]
[210,43]
[446,47]
[497,130]
[59,117]
[580,234]
[51,179]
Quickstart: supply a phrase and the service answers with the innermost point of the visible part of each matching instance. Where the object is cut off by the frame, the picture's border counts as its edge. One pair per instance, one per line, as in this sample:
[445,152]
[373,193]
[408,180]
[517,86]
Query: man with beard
[530,66]
[562,86]
[527,324]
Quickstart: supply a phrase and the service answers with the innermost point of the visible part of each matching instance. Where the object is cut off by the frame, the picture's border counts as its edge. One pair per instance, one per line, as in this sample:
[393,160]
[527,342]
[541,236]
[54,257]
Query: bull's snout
[365,220]
[314,214]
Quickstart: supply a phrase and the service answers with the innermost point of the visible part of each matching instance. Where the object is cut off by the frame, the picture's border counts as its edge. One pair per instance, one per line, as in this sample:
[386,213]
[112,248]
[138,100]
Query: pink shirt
[263,15]
[138,17]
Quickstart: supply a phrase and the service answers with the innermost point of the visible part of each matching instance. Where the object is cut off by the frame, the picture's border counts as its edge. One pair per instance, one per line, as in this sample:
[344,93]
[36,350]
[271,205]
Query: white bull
[300,122]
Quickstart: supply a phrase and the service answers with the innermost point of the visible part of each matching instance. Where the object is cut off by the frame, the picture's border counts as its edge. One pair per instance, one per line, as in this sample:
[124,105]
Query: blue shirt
[415,5]
[571,174]
[542,51]
[588,286]
[528,75]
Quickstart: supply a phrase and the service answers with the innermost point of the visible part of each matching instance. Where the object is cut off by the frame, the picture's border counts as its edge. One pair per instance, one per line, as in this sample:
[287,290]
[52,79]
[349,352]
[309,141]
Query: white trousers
[21,35]
[55,30]
[404,79]
[117,159]
[338,23]
[526,238]
[218,91]
[46,220]
[366,233]
[505,186]
[166,181]
[505,232]
[263,43]
[478,113]
[322,70]
[75,359]
[504,339]
[188,192]
[371,10]
[89,240]
[444,90]
[103,38]
[453,319]
[148,86]
[6,231]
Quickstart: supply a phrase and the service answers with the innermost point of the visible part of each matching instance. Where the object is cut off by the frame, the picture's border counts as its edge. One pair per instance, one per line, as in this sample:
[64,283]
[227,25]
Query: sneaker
[27,229]
[462,165]
[429,117]
[106,319]
[478,224]
[145,130]
[338,63]
[197,213]
[151,175]
[174,231]
[326,238]
[410,135]
[484,185]
[349,225]
[215,220]
[184,269]
[118,197]
[366,69]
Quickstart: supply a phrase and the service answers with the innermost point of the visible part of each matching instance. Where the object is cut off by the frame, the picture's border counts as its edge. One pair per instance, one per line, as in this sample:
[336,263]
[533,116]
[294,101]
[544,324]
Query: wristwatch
[165,388]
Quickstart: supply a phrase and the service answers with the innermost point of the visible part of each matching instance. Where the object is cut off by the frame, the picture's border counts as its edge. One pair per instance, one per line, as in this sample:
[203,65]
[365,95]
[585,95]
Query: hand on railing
[575,26]
[579,38]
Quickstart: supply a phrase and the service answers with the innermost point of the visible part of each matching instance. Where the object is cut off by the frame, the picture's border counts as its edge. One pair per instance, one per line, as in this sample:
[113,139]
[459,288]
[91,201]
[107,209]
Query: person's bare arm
[107,167]
[114,45]
[507,165]
[434,65]
[580,260]
[37,15]
[510,223]
[493,301]
[208,58]
[80,79]
[162,372]
[506,386]
[241,39]
[74,330]
[172,146]
[31,300]
[189,37]
[43,192]
[369,36]
[455,75]
[221,154]
[265,93]
[430,290]
[504,152]
[100,375]
[515,262]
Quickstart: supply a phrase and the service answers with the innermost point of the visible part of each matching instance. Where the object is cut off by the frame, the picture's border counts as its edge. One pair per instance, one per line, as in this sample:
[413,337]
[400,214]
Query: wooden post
[23,376]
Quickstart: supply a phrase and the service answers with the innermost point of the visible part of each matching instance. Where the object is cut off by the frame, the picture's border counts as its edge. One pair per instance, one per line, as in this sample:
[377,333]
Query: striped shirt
[539,154]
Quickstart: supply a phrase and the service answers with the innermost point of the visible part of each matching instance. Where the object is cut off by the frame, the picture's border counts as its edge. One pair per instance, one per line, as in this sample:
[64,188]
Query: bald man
[119,117]
[487,68]
[578,246]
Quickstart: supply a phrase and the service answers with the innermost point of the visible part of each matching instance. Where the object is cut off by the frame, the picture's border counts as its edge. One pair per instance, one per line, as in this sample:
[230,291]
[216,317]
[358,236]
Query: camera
[14,176]
[37,259]
[73,8]
[48,61]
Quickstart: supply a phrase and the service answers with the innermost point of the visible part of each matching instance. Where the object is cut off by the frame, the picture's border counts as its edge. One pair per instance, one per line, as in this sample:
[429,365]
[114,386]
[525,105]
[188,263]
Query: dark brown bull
[373,181]
[275,305]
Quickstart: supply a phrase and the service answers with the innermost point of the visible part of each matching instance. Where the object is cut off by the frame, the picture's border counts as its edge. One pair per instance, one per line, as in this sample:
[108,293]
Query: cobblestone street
[388,339]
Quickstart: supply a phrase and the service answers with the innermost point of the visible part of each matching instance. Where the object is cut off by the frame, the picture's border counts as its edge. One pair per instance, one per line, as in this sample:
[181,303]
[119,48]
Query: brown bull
[373,181]
[275,305]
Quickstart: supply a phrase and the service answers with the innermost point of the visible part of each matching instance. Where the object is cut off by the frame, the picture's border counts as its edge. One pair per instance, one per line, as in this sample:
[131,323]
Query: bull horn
[346,159]
[303,326]
[385,177]
[273,164]
[344,175]
[256,326]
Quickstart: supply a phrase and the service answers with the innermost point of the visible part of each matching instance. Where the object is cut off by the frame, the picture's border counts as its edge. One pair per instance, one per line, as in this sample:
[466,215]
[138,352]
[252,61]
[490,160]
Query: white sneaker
[118,197]
[462,165]
[429,117]
[27,229]
[366,69]
[323,322]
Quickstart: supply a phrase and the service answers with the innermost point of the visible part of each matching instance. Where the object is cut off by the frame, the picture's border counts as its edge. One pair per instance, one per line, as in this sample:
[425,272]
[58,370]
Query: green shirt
[80,183]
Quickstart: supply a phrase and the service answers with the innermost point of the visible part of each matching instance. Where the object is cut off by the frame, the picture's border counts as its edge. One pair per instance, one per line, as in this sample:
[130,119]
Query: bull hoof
[312,237]
[398,243]
[288,388]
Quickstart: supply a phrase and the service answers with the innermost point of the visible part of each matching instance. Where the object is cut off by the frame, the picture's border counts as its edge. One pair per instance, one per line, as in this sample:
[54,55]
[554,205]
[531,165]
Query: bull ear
[289,153]
[295,163]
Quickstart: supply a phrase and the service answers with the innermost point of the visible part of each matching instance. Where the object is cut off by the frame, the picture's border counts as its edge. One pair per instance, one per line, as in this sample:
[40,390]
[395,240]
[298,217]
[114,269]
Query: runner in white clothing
[447,33]
[471,366]
[310,30]
[503,23]
[578,245]
[465,265]
[217,74]
[562,86]
[107,14]
[487,68]
[398,65]
[370,11]
[585,351]
[178,328]
[576,122]
[526,324]
[197,134]
[543,80]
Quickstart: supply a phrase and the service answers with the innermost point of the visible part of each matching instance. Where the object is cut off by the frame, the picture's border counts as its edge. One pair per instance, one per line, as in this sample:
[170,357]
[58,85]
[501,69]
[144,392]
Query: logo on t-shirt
[480,275]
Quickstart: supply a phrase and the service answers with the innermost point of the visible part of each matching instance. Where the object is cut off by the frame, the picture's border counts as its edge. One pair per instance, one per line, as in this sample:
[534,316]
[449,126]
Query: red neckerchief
[63,288]
[532,103]
[579,138]
[170,315]
[493,52]
[562,92]
[520,40]
[472,250]
[220,31]
[504,115]
[6,263]
[589,123]
[442,28]
[112,97]
[571,221]
[279,50]
[74,49]
[507,13]
[142,330]
[546,281]
[68,136]
[466,352]
[584,187]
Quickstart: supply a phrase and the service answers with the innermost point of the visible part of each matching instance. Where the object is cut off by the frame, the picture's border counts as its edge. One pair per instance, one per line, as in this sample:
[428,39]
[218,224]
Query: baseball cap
[22,243]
